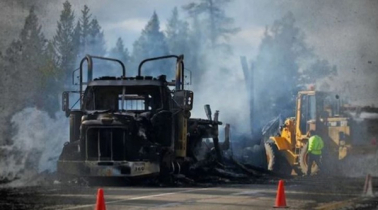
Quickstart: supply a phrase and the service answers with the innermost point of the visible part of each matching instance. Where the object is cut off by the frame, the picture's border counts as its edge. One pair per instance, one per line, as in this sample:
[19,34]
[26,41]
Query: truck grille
[106,144]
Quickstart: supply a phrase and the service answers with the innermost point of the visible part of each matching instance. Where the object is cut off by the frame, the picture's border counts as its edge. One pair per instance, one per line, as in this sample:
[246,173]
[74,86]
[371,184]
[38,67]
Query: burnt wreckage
[135,126]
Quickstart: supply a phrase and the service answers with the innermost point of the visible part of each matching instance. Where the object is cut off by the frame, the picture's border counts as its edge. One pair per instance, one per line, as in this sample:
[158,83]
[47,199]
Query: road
[301,193]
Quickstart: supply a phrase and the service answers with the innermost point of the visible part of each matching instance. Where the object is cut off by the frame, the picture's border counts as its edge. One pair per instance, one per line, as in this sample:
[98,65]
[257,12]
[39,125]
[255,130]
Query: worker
[315,146]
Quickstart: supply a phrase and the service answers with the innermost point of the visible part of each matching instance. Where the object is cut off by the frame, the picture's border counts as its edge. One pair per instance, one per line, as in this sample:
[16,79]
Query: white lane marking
[140,197]
[250,192]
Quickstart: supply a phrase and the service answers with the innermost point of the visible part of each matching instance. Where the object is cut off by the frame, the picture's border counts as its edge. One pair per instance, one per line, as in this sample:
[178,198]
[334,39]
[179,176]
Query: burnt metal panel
[126,83]
[104,143]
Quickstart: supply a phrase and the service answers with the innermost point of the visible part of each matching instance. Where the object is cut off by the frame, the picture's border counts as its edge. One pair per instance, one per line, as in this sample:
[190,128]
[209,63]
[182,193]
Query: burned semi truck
[134,126]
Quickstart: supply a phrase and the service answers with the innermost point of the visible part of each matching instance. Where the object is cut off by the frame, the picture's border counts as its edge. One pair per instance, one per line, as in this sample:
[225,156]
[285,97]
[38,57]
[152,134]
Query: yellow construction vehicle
[344,132]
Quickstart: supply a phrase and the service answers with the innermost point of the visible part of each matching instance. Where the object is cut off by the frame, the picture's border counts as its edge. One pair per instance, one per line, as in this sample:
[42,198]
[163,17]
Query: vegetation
[34,70]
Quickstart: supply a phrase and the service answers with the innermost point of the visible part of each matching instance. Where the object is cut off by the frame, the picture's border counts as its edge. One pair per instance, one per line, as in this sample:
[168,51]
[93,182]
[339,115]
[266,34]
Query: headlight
[84,117]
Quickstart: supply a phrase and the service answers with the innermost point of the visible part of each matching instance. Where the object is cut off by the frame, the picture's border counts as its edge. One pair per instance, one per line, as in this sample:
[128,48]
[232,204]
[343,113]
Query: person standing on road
[314,151]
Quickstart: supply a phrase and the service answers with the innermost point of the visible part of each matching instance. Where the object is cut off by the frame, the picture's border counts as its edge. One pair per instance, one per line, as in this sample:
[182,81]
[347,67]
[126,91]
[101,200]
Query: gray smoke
[343,32]
[37,142]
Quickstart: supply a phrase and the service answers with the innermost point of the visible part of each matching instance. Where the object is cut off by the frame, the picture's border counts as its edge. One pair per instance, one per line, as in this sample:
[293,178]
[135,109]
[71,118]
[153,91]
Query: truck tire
[285,167]
[303,161]
[276,161]
[271,151]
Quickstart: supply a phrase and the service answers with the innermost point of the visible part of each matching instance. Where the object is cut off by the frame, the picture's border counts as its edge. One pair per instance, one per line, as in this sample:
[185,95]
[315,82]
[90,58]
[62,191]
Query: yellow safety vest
[315,145]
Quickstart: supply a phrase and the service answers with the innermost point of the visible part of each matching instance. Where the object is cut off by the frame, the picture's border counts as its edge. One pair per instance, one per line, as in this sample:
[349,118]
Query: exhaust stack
[208,111]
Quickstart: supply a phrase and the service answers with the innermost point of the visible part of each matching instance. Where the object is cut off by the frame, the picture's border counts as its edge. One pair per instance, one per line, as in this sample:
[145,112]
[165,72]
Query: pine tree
[182,40]
[32,39]
[277,69]
[50,85]
[13,53]
[172,31]
[120,52]
[63,41]
[4,102]
[29,60]
[90,39]
[177,34]
[152,43]
[276,64]
[76,41]
[318,69]
[85,31]
[24,60]
[218,25]
[96,39]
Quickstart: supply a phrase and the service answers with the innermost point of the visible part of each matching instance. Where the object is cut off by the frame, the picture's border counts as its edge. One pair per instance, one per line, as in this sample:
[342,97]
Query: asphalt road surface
[300,193]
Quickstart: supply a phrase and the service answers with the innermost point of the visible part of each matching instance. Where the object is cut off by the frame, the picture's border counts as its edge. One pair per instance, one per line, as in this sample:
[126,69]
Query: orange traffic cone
[368,188]
[281,198]
[100,204]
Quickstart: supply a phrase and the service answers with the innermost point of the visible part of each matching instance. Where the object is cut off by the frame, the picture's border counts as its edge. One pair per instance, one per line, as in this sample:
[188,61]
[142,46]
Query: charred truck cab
[132,126]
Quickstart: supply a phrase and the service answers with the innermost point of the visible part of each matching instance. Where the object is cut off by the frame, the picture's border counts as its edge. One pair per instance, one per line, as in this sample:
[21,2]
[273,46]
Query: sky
[342,31]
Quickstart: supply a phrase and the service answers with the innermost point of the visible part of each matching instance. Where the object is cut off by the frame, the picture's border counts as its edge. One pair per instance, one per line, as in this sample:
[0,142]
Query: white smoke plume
[37,143]
[224,90]
[360,166]
[38,139]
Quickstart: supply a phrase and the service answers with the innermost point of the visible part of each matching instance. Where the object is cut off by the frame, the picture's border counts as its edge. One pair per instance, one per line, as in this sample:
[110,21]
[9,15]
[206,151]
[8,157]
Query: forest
[35,70]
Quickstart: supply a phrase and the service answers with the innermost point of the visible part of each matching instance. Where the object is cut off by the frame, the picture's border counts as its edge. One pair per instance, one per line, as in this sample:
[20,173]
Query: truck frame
[133,126]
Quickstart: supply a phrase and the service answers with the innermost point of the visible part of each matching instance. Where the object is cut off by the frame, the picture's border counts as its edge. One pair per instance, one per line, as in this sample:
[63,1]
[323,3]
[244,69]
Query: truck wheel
[276,161]
[271,151]
[303,157]
[285,167]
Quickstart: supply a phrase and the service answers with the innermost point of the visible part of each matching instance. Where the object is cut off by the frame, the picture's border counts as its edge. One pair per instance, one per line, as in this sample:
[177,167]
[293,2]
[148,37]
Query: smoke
[350,43]
[362,159]
[13,13]
[37,143]
[360,166]
[223,88]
